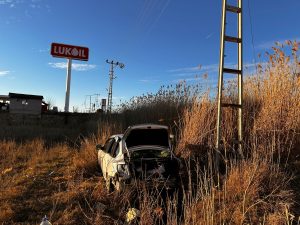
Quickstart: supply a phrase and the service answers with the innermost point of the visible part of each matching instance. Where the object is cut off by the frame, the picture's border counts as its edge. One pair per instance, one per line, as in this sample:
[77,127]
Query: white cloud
[75,66]
[4,73]
[209,69]
[190,71]
[209,81]
[148,81]
[30,8]
[209,35]
[186,69]
[270,44]
[43,50]
[11,3]
[4,2]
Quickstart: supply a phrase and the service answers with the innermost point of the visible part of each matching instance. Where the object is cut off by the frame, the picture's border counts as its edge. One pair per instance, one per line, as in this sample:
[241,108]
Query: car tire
[119,185]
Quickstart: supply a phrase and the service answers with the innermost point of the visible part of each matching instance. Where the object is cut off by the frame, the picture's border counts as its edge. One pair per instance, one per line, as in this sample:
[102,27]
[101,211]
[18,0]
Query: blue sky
[160,42]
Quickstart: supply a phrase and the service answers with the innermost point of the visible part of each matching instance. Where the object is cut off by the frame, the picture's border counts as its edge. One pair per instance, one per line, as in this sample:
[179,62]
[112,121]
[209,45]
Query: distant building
[4,102]
[23,103]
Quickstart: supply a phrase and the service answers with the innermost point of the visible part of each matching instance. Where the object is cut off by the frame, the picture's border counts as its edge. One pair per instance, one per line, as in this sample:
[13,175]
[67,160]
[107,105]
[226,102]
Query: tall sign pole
[68,84]
[111,78]
[70,52]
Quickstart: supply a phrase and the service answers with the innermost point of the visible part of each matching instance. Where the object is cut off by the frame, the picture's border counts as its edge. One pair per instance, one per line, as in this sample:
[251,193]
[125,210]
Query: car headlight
[122,169]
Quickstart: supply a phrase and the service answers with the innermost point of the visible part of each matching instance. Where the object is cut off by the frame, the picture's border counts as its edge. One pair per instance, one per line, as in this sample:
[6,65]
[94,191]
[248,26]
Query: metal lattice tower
[239,72]
[111,78]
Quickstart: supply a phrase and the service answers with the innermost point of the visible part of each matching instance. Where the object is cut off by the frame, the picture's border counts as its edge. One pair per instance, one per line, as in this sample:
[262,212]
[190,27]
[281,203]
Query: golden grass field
[64,182]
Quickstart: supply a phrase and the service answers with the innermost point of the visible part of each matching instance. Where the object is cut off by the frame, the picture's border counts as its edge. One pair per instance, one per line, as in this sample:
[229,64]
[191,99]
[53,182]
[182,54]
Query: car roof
[116,135]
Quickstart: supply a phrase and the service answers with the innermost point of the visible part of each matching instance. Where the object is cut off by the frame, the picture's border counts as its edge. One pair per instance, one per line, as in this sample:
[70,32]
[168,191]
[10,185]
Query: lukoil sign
[69,51]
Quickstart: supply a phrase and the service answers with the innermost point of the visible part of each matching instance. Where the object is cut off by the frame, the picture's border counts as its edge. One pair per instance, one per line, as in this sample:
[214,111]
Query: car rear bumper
[170,183]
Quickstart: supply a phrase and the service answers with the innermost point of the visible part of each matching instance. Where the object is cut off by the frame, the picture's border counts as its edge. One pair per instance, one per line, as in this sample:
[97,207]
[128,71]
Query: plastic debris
[132,215]
[50,173]
[7,170]
[45,221]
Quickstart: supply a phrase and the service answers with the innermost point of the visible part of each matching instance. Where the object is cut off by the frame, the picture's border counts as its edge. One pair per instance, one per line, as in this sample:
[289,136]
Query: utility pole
[96,103]
[111,78]
[238,72]
[93,102]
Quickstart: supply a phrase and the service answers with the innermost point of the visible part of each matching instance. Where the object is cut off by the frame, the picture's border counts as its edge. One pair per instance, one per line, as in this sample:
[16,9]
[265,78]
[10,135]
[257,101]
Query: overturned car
[143,154]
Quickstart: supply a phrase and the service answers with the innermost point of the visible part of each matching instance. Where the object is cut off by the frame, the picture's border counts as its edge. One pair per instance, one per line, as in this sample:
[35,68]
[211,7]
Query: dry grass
[198,125]
[271,109]
[252,193]
[64,183]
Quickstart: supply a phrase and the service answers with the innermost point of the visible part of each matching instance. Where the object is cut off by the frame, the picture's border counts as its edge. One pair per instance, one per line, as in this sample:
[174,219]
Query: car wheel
[119,185]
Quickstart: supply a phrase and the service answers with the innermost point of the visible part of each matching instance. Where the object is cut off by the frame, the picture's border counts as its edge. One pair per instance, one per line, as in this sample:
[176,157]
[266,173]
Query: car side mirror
[99,147]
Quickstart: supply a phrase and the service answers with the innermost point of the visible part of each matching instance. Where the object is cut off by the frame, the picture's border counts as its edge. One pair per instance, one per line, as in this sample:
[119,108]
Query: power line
[93,102]
[252,37]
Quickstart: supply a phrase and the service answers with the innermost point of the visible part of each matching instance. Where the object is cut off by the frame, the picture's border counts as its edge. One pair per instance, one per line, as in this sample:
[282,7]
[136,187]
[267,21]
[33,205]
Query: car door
[104,155]
[111,159]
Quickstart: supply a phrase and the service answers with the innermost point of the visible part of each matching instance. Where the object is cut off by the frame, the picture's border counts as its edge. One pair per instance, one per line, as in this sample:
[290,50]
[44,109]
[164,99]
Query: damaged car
[143,154]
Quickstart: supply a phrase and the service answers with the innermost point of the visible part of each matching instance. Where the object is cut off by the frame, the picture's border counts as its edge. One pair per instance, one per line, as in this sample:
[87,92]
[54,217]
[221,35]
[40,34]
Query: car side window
[115,149]
[108,145]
